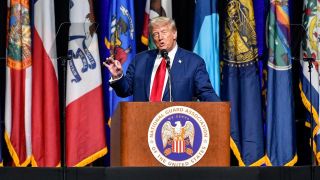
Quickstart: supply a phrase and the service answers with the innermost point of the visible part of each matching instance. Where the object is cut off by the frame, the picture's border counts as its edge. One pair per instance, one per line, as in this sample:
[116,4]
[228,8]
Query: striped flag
[241,83]
[45,105]
[311,49]
[280,124]
[85,138]
[206,38]
[18,84]
[154,8]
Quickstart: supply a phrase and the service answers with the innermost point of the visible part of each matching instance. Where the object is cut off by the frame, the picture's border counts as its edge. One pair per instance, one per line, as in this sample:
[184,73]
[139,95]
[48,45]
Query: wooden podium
[130,124]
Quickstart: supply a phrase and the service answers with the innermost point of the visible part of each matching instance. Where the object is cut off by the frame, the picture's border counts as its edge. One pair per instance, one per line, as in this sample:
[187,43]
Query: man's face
[164,37]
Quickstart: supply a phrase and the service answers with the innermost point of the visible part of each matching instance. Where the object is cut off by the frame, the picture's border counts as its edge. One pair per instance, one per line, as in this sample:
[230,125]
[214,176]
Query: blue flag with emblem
[117,34]
[280,124]
[206,38]
[240,82]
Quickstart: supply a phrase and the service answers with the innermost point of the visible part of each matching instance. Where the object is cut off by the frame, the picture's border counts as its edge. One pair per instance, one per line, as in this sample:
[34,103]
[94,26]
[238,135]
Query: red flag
[18,84]
[84,112]
[45,101]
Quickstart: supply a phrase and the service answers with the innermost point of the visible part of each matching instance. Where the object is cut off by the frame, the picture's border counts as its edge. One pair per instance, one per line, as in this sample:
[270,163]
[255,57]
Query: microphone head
[309,59]
[164,53]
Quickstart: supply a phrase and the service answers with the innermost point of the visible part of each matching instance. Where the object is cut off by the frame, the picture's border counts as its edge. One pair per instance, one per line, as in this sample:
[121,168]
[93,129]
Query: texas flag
[45,101]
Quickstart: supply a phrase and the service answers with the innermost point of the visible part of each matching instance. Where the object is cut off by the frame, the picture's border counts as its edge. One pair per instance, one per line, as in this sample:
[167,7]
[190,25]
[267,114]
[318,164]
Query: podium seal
[178,136]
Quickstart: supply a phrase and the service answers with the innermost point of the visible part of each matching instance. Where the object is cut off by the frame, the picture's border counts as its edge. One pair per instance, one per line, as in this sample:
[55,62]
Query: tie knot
[163,62]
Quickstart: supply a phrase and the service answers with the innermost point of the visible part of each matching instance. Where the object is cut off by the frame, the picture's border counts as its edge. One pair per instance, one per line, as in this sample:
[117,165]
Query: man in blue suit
[147,77]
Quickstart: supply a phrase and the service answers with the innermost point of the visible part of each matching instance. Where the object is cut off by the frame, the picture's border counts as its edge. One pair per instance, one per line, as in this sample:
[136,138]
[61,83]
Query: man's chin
[161,48]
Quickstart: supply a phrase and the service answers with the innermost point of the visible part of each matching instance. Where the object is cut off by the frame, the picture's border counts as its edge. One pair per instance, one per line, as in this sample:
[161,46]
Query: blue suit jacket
[190,79]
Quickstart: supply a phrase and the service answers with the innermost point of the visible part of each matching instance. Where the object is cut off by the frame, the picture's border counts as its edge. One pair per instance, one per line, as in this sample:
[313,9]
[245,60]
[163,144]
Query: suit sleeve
[124,86]
[203,87]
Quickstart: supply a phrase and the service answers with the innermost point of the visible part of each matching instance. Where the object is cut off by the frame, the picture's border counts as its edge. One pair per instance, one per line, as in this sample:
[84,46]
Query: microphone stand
[310,60]
[169,77]
[63,64]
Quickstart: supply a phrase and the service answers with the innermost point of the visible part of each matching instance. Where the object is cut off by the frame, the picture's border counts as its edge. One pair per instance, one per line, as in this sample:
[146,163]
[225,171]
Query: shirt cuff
[111,80]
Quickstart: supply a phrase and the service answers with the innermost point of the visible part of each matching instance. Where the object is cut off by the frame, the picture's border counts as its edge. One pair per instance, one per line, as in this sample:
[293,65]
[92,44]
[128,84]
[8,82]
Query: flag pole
[310,60]
[311,114]
[311,117]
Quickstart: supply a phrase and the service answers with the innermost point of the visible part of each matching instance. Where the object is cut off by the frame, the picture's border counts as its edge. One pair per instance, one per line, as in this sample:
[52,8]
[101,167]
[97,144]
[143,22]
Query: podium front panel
[130,125]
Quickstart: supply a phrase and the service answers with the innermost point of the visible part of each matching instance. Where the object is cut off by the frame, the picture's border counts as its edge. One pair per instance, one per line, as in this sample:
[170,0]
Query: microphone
[309,59]
[306,59]
[164,54]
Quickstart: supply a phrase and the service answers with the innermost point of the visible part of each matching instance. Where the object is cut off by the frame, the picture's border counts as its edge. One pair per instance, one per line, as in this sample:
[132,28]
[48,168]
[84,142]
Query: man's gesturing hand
[114,67]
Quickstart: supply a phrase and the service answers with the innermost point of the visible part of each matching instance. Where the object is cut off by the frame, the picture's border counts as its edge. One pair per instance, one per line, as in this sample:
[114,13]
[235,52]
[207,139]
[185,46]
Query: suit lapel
[148,70]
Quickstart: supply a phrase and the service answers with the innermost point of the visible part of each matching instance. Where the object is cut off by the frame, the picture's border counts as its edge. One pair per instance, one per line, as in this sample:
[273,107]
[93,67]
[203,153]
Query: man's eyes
[156,35]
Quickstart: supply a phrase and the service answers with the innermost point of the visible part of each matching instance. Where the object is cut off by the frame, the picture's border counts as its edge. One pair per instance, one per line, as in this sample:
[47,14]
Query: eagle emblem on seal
[178,138]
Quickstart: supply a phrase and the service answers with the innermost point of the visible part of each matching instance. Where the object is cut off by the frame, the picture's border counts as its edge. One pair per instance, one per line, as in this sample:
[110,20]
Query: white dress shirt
[157,62]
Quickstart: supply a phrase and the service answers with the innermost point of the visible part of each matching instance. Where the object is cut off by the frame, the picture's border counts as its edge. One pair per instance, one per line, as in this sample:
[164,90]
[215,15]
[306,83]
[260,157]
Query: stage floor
[157,173]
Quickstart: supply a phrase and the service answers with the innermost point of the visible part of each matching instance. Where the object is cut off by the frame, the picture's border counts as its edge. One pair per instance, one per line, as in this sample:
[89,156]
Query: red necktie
[158,82]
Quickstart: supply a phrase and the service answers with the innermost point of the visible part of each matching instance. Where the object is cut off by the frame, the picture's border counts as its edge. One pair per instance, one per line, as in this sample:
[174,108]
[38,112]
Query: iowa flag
[45,101]
[206,38]
[311,49]
[154,8]
[84,107]
[241,83]
[18,84]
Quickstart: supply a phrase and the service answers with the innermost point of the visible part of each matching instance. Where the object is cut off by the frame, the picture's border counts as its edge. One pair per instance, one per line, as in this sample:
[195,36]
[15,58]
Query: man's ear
[175,35]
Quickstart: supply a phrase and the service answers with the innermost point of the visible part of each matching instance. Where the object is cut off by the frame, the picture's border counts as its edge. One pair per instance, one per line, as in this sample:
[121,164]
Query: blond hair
[162,21]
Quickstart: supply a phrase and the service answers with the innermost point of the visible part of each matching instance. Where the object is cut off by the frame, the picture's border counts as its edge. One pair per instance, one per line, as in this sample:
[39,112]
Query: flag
[3,13]
[154,8]
[18,84]
[310,49]
[103,20]
[120,40]
[261,7]
[117,32]
[240,82]
[45,101]
[206,38]
[85,136]
[280,124]
[260,16]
